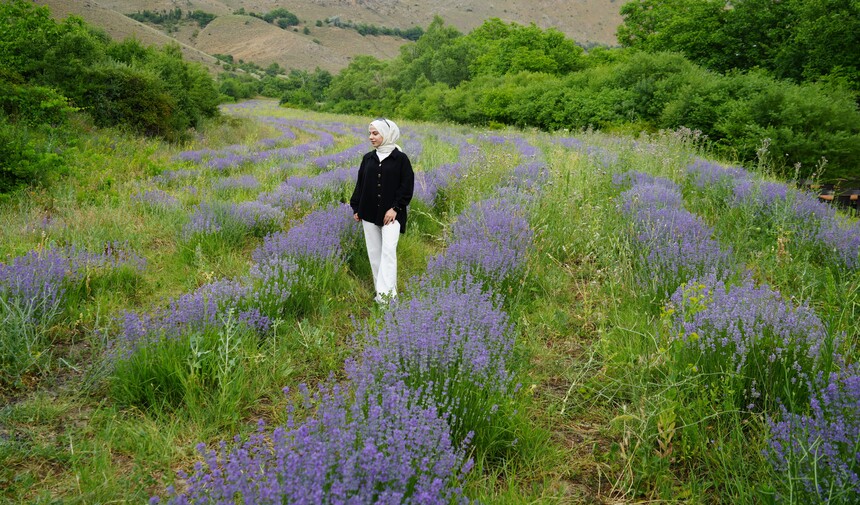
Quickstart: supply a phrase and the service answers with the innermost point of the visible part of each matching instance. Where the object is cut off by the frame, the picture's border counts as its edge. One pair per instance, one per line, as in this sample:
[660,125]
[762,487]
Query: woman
[382,192]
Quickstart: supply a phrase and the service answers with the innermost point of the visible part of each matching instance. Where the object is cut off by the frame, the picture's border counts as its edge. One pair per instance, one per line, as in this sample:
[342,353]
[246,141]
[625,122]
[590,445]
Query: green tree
[503,49]
[802,40]
[442,54]
[365,80]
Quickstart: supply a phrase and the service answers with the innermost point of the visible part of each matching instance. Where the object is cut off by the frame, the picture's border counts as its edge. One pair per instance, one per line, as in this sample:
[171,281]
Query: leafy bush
[152,91]
[24,157]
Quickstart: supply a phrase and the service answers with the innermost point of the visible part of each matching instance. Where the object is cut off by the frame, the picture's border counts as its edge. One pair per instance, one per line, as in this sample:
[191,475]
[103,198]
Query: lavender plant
[774,206]
[819,450]
[161,358]
[746,338]
[157,200]
[245,182]
[257,217]
[491,241]
[672,244]
[36,288]
[452,343]
[382,448]
[308,258]
[287,198]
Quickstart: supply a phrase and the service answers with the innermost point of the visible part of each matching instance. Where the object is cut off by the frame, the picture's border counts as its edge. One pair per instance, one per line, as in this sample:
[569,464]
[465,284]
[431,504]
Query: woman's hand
[355,216]
[390,216]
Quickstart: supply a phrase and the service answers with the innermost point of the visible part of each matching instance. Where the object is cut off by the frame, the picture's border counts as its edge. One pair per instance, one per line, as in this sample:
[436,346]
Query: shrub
[818,449]
[746,341]
[24,157]
[384,448]
[451,343]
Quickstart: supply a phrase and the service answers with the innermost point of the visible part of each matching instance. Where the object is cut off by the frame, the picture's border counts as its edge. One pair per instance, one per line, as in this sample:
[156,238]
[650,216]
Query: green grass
[598,418]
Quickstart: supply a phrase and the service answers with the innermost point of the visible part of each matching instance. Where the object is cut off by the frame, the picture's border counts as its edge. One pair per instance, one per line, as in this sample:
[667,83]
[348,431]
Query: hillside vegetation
[582,316]
[587,21]
[508,74]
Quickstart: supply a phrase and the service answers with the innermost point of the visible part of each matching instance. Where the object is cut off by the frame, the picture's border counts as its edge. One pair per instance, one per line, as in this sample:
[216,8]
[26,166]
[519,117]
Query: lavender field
[582,318]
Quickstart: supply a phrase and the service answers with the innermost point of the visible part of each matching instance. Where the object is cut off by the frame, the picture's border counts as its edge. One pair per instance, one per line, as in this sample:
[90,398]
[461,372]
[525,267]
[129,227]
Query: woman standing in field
[382,192]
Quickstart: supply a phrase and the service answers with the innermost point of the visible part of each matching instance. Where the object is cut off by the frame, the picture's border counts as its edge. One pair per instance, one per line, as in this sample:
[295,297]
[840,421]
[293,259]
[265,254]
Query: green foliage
[800,40]
[206,372]
[202,18]
[280,17]
[25,156]
[169,19]
[151,91]
[164,17]
[24,346]
[440,55]
[412,33]
[238,86]
[508,49]
[33,105]
[363,86]
[26,33]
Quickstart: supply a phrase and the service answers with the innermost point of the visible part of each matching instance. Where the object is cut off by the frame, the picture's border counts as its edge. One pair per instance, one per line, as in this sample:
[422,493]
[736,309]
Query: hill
[308,46]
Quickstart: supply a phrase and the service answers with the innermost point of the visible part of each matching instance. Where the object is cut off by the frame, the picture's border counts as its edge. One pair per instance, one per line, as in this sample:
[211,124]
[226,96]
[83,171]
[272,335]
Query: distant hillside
[328,47]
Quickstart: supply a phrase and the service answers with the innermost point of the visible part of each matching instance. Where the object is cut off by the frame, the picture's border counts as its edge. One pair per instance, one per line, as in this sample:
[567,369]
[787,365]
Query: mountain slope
[309,46]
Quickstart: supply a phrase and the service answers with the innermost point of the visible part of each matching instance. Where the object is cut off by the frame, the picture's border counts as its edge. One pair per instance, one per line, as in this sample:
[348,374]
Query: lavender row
[763,351]
[432,373]
[431,182]
[811,221]
[820,449]
[748,339]
[673,245]
[37,282]
[283,270]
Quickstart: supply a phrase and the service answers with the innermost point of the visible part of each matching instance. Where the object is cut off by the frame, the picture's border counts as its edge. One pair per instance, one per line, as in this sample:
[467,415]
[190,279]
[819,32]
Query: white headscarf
[390,133]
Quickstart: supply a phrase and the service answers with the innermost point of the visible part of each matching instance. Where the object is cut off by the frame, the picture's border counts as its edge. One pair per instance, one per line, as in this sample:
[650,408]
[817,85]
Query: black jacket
[383,186]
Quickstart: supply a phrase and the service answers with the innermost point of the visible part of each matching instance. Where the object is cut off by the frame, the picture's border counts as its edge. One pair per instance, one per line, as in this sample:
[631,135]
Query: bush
[24,157]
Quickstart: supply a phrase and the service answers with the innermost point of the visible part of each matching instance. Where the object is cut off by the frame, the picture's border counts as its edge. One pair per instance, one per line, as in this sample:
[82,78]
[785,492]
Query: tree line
[508,74]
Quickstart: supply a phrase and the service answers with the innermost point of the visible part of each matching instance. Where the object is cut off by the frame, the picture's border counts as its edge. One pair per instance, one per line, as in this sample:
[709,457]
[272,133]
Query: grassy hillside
[330,48]
[191,290]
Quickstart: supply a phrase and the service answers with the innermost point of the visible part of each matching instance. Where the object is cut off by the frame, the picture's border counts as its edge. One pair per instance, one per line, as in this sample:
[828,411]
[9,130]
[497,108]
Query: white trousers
[382,251]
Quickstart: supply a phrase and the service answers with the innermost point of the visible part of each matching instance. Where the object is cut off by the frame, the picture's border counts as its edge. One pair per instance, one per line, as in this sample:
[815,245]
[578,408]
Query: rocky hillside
[314,42]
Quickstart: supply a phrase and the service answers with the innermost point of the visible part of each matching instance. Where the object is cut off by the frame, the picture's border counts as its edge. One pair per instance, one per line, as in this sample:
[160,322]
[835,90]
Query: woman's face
[375,137]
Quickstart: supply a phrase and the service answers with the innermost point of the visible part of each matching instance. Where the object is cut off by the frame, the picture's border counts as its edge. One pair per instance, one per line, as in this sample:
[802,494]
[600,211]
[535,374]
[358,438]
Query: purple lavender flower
[156,199]
[382,448]
[246,182]
[430,183]
[349,156]
[286,198]
[258,217]
[204,308]
[821,448]
[326,181]
[195,156]
[226,162]
[273,285]
[708,174]
[38,281]
[491,240]
[449,342]
[319,238]
[570,142]
[169,176]
[766,345]
[204,220]
[674,245]
[814,224]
